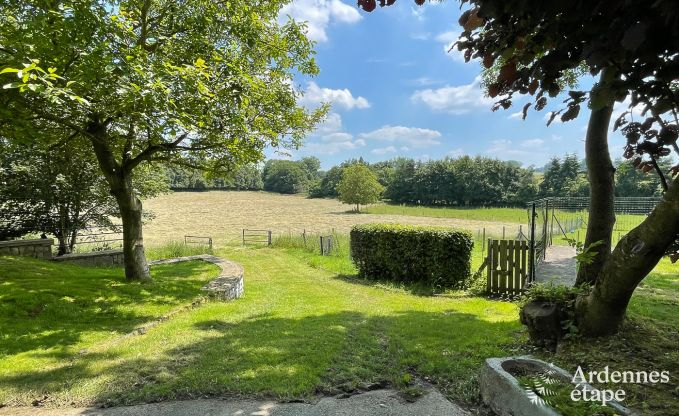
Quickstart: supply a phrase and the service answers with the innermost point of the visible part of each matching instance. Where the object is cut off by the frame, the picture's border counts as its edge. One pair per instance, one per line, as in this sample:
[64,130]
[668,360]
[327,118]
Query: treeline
[473,181]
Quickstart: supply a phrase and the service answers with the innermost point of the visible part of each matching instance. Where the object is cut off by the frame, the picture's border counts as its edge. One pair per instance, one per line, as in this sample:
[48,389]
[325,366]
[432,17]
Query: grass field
[223,215]
[504,215]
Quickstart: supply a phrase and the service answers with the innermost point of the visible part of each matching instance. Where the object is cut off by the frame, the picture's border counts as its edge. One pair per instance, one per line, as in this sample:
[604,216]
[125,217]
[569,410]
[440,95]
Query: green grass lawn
[507,215]
[304,327]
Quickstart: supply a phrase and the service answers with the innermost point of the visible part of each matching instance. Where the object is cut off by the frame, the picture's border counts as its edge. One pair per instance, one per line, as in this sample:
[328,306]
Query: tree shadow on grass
[283,358]
[417,289]
[49,313]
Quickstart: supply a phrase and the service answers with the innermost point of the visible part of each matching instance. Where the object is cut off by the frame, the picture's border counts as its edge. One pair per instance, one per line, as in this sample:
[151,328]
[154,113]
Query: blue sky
[396,91]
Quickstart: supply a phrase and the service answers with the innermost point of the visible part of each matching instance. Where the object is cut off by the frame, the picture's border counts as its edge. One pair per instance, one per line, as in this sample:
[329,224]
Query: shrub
[438,257]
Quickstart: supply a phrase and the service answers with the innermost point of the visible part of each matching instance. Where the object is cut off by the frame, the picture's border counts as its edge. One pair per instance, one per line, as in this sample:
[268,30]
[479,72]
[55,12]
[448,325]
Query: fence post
[531,248]
[544,230]
[243,236]
[269,237]
[503,232]
[483,243]
[210,241]
[551,224]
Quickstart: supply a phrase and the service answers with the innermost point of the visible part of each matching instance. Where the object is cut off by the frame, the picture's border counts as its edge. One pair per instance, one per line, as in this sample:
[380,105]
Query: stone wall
[227,286]
[39,249]
[106,258]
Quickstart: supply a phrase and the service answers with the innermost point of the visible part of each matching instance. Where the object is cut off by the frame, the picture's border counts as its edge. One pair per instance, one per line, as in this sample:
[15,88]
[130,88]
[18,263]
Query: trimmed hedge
[439,257]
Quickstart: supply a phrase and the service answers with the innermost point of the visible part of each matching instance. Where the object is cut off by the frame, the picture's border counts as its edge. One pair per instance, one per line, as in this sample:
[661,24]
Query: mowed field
[224,214]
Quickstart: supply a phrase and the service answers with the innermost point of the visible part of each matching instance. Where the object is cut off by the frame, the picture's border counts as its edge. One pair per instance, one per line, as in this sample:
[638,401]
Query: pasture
[223,215]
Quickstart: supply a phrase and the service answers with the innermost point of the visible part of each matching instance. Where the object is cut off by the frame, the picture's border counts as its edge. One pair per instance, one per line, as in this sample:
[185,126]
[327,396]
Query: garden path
[559,266]
[373,403]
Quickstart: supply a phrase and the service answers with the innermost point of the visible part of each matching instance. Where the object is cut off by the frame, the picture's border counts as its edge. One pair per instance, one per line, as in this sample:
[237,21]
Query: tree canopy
[359,186]
[198,83]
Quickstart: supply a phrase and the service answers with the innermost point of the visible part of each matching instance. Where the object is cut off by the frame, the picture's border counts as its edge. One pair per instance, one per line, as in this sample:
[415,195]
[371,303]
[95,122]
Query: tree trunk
[602,190]
[63,244]
[136,267]
[120,182]
[603,310]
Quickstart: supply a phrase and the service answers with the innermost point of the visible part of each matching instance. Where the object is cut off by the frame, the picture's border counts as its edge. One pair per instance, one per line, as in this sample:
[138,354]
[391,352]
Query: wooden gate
[507,263]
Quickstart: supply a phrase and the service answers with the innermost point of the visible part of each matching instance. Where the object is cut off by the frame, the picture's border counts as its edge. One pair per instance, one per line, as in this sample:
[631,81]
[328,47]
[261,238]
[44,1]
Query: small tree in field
[359,186]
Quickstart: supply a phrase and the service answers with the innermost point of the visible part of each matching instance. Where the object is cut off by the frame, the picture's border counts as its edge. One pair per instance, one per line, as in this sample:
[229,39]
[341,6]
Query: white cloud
[409,136]
[420,35]
[424,81]
[619,108]
[448,39]
[508,150]
[319,14]
[333,143]
[557,119]
[315,95]
[454,100]
[383,150]
[331,124]
[532,143]
[375,60]
[418,13]
[516,116]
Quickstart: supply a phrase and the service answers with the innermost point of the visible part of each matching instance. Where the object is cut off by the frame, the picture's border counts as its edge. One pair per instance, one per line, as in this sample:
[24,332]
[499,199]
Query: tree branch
[663,180]
[147,153]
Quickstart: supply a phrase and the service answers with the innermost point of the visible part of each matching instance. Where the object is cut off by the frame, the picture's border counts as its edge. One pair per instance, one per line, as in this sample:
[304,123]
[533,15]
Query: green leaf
[9,70]
[12,85]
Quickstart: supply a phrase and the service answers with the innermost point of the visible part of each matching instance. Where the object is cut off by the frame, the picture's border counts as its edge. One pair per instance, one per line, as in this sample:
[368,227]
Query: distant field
[506,215]
[223,215]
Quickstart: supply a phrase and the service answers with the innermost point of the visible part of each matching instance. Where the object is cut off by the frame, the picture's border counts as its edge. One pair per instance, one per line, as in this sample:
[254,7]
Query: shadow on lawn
[417,289]
[285,358]
[47,315]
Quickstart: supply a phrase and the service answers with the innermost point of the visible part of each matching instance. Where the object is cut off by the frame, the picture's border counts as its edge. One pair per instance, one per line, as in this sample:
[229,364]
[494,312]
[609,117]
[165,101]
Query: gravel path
[374,403]
[559,266]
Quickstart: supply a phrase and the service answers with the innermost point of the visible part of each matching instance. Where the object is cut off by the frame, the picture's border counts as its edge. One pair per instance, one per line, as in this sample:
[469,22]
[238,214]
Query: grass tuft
[176,249]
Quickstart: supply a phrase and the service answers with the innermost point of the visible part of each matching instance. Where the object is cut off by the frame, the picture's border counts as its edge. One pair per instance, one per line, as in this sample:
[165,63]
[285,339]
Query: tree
[59,191]
[198,83]
[328,183]
[632,47]
[632,182]
[285,176]
[247,178]
[311,166]
[359,186]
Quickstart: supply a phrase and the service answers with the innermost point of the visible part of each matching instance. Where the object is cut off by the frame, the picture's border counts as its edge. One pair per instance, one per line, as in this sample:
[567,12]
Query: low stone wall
[227,286]
[39,249]
[106,258]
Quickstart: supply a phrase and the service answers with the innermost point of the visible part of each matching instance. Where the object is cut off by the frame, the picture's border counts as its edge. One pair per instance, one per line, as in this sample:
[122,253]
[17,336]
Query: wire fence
[558,221]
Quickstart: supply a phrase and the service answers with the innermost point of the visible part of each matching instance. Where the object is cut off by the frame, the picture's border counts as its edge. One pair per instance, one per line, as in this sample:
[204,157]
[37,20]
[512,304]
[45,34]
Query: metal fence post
[243,236]
[269,237]
[531,252]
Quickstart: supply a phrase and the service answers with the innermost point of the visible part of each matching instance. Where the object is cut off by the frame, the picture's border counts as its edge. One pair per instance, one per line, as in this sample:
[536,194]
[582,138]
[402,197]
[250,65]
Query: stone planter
[503,393]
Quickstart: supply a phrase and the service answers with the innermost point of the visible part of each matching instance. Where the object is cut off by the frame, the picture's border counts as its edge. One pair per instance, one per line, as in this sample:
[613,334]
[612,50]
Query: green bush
[439,257]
